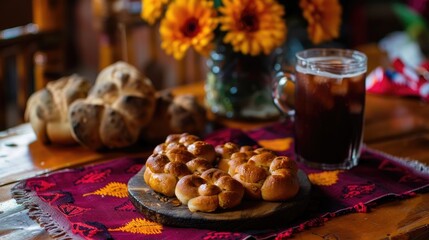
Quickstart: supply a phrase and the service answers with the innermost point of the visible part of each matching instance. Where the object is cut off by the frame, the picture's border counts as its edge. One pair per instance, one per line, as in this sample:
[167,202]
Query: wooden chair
[35,34]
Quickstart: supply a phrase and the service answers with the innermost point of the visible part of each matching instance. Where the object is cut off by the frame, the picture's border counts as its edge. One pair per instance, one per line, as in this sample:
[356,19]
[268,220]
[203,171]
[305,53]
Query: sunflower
[152,9]
[323,17]
[188,23]
[253,26]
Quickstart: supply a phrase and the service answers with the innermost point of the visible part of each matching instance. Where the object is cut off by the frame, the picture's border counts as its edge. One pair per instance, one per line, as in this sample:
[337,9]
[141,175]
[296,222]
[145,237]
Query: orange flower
[188,23]
[152,9]
[253,26]
[323,17]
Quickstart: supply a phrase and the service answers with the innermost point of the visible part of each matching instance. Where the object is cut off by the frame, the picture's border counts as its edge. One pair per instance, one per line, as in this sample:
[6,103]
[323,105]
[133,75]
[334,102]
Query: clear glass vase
[239,86]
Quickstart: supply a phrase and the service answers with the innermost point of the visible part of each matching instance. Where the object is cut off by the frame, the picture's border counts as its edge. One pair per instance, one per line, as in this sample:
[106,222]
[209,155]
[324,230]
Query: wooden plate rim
[250,214]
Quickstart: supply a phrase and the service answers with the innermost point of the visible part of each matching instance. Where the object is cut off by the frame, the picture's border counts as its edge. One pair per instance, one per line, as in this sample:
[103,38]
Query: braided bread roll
[47,109]
[263,174]
[178,156]
[119,106]
[231,155]
[212,190]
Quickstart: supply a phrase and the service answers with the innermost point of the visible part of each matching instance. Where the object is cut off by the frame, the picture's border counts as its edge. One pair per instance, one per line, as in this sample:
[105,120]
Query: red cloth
[89,202]
[400,81]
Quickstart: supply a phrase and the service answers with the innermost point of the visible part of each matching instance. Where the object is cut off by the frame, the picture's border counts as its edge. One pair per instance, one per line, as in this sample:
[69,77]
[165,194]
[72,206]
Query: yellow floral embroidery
[279,144]
[113,189]
[140,226]
[327,178]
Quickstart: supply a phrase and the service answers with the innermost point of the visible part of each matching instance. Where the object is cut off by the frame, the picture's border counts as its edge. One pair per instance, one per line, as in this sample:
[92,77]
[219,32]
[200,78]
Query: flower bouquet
[239,37]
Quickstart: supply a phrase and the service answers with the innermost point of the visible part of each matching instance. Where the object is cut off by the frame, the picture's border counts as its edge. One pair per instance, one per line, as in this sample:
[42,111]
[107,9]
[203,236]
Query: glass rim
[358,61]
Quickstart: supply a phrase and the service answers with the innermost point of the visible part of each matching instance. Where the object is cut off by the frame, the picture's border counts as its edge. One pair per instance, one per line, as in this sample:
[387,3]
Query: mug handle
[283,92]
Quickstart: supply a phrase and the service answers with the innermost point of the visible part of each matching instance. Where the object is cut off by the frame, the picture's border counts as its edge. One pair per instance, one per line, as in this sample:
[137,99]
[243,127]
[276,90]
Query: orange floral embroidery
[113,189]
[279,144]
[327,178]
[140,226]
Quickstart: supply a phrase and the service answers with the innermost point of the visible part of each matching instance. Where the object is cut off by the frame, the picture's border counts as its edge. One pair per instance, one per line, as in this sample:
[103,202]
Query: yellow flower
[152,9]
[188,23]
[253,26]
[323,17]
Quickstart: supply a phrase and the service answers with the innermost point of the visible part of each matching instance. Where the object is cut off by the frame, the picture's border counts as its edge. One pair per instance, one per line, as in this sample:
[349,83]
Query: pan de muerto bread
[47,109]
[119,106]
[263,174]
[178,156]
[175,114]
[212,190]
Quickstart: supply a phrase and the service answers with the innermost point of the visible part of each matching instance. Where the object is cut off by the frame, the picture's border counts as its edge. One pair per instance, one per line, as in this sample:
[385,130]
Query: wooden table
[397,126]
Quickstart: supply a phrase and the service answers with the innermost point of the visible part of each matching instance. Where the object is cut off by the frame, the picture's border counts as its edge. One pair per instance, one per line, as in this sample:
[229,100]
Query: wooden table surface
[397,126]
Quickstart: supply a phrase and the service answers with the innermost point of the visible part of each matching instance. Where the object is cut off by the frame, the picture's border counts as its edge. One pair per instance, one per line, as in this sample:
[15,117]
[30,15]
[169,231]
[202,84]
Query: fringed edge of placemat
[45,220]
[362,207]
[407,162]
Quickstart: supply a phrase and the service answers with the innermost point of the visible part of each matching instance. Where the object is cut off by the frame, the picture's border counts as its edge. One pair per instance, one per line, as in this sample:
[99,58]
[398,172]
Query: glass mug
[329,102]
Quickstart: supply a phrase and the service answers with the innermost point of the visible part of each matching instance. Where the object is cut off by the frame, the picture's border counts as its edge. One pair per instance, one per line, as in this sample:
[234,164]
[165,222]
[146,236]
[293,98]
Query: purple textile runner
[92,203]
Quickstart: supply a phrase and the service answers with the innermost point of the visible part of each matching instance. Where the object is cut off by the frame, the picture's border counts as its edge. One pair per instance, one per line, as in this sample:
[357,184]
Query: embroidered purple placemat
[92,203]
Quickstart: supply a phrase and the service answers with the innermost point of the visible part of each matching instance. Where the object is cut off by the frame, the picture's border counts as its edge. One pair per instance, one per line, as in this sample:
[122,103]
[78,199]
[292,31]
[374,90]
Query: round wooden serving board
[249,214]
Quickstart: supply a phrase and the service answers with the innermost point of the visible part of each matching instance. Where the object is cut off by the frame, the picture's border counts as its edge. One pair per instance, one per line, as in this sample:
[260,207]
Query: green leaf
[413,22]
